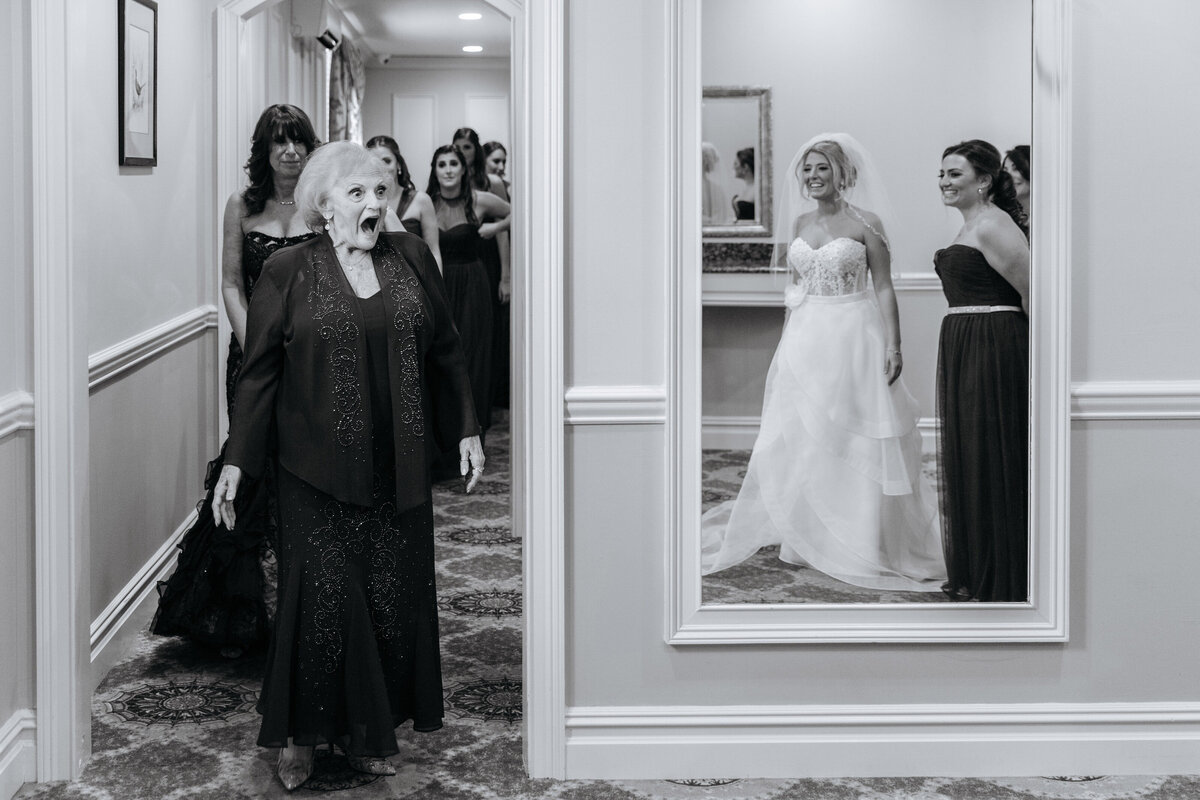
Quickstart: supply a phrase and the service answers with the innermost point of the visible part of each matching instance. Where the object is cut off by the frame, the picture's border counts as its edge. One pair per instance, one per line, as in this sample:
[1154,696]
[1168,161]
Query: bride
[835,475]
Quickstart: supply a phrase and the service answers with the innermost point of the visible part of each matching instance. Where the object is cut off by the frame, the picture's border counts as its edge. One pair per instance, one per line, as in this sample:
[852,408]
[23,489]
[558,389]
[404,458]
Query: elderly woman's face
[449,170]
[287,157]
[358,204]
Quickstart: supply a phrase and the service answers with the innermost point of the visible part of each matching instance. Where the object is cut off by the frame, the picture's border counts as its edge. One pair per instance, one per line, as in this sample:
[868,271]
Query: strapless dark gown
[412,225]
[743,209]
[218,594]
[469,293]
[983,444]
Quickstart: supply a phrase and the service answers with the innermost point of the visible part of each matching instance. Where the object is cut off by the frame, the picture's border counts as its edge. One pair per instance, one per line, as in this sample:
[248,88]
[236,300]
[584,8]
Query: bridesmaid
[983,381]
[218,594]
[462,212]
[409,209]
[1016,164]
[496,160]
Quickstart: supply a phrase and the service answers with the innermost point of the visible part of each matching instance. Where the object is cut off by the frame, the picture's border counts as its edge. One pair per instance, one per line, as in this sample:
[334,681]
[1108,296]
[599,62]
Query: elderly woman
[353,366]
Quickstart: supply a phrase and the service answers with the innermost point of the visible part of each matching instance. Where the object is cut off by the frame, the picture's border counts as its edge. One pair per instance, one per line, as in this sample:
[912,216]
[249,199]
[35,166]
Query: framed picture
[137,82]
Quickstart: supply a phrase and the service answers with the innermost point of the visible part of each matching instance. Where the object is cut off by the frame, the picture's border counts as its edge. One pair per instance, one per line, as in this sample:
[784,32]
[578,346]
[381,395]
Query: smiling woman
[353,368]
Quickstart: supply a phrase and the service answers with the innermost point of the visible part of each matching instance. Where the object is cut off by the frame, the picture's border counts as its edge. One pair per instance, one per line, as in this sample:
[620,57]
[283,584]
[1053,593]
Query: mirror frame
[1044,618]
[763,169]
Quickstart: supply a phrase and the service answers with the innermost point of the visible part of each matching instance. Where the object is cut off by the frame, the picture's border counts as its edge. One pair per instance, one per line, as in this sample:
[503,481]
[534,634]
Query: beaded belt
[981,309]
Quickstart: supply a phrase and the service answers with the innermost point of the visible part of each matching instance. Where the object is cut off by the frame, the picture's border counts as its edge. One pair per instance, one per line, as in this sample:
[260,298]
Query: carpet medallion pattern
[176,722]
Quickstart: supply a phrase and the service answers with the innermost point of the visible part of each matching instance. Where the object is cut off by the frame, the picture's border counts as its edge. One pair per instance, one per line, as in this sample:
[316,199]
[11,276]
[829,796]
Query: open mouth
[370,224]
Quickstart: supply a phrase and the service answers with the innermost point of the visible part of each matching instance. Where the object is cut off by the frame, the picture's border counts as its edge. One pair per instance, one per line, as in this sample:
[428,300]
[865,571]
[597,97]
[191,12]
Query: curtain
[347,80]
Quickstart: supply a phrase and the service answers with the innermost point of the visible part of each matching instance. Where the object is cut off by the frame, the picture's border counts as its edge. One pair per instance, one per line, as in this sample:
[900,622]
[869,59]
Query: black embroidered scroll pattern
[348,535]
[332,312]
[409,319]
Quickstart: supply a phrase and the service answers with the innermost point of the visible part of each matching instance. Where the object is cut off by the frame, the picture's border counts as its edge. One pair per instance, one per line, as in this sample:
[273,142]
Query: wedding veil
[865,192]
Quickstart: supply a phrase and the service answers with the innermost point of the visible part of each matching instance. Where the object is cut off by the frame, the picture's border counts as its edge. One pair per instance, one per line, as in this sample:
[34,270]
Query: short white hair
[327,165]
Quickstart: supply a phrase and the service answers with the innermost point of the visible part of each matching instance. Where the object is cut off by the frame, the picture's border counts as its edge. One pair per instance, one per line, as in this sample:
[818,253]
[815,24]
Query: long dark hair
[277,123]
[1019,158]
[434,189]
[985,159]
[477,168]
[403,178]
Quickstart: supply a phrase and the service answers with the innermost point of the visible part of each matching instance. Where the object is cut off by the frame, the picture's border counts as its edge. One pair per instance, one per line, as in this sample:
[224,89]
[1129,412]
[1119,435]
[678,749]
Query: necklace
[285,202]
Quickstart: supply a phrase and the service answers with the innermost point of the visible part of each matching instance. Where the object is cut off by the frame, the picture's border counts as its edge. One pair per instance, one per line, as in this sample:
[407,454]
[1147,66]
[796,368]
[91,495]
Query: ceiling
[426,28]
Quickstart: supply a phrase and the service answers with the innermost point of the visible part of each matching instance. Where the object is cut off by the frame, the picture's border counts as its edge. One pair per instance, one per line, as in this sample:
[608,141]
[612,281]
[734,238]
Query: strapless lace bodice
[838,267]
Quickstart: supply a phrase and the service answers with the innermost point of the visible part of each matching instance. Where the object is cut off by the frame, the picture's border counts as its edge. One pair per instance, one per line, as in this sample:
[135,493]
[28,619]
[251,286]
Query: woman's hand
[223,494]
[892,365]
[488,230]
[505,289]
[470,455]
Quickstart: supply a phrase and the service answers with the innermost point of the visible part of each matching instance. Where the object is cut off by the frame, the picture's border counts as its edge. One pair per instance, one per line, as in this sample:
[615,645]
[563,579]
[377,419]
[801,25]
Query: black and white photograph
[599,400]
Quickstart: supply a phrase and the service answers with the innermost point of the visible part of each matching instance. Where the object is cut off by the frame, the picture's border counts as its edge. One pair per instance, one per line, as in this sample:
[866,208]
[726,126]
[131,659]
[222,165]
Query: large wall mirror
[814,501]
[735,161]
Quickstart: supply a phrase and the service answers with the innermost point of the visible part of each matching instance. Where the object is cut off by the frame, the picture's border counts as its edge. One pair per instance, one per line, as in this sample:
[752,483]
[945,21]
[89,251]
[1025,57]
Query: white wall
[902,80]
[450,85]
[144,237]
[1133,503]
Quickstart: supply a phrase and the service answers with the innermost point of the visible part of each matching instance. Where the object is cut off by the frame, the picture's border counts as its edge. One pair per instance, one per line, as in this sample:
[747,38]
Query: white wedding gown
[835,475]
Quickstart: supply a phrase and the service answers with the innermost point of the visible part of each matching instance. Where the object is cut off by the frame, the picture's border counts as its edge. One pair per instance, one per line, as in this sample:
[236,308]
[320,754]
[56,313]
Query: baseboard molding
[140,589]
[1130,400]
[739,433]
[18,752]
[16,413]
[112,362]
[615,405]
[876,741]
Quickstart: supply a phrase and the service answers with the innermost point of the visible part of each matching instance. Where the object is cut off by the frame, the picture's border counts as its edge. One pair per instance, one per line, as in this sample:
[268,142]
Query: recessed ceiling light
[472,48]
[470,15]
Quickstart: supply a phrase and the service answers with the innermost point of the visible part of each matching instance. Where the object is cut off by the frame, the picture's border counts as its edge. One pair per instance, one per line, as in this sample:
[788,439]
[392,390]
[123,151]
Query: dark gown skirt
[499,392]
[218,594]
[983,445]
[355,648]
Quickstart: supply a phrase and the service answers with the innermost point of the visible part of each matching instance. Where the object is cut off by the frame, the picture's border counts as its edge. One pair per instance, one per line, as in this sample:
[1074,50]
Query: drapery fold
[347,83]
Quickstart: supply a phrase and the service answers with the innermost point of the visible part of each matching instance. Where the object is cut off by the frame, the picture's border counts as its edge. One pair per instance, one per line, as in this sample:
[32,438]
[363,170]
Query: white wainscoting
[1090,400]
[16,413]
[18,751]
[140,589]
[1134,400]
[615,405]
[883,740]
[112,362]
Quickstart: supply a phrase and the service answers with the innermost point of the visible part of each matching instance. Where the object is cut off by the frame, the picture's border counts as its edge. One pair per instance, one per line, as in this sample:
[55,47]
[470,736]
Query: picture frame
[137,82]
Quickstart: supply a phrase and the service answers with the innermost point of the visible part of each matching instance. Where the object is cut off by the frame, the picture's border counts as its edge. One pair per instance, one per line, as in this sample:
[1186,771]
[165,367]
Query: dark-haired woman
[495,158]
[217,594]
[461,212]
[745,201]
[409,209]
[983,381]
[1016,164]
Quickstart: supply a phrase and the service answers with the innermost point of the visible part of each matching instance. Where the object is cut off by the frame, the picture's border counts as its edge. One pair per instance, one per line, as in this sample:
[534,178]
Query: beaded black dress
[218,594]
[357,626]
[983,443]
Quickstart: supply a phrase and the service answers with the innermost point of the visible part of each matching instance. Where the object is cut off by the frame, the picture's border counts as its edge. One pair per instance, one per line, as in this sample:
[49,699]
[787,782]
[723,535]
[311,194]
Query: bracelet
[897,352]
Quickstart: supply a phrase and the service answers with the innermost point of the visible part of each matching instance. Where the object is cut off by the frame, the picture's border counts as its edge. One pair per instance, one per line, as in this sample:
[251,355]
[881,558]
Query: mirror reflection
[865,381]
[735,161]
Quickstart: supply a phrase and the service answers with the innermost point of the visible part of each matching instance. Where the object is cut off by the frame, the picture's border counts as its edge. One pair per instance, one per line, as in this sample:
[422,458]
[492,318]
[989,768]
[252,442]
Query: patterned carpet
[763,578]
[177,722]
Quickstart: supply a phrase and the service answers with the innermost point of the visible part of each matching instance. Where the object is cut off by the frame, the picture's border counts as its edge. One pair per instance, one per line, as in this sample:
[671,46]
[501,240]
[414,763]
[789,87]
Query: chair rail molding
[1135,400]
[113,362]
[16,413]
[18,751]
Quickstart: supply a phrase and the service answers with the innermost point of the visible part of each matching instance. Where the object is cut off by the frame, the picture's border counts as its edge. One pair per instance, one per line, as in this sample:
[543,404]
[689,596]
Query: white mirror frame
[1044,618]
